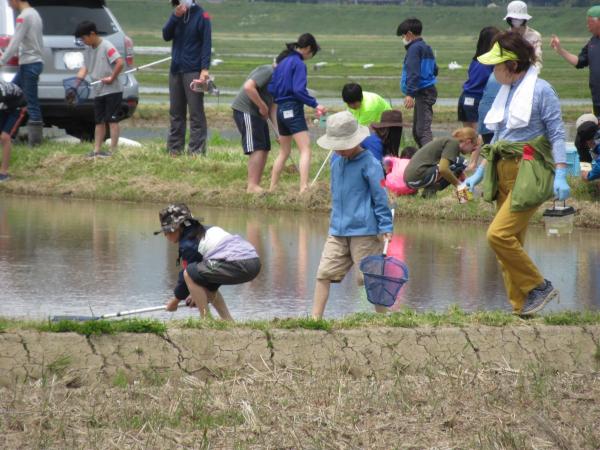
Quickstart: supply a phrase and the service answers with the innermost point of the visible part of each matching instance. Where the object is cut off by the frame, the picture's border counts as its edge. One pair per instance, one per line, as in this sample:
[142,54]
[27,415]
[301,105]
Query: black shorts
[212,273]
[254,131]
[467,108]
[290,118]
[107,108]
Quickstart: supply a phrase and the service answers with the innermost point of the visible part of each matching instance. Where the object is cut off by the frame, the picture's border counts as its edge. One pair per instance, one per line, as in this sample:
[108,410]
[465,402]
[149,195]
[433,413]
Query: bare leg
[303,142]
[114,136]
[6,147]
[256,166]
[219,303]
[199,295]
[320,298]
[381,309]
[285,143]
[99,134]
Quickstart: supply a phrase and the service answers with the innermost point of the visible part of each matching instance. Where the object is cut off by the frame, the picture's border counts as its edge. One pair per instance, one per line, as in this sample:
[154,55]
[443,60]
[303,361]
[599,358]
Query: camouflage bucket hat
[173,216]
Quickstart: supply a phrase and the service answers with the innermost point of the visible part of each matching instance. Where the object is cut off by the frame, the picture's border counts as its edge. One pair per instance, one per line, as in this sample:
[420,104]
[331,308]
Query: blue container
[573,166]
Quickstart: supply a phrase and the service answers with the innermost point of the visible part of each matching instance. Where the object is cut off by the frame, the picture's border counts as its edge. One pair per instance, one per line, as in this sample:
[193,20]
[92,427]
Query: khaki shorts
[340,253]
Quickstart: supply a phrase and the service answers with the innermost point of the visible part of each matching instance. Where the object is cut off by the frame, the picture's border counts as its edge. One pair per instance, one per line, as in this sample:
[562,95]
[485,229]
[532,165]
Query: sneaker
[100,154]
[538,297]
[4,177]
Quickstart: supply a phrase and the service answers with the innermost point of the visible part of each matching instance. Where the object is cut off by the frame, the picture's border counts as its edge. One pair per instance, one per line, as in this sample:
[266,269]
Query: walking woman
[288,88]
[529,141]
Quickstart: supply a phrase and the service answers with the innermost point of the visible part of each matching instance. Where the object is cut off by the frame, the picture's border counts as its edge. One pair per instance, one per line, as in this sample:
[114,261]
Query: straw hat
[343,132]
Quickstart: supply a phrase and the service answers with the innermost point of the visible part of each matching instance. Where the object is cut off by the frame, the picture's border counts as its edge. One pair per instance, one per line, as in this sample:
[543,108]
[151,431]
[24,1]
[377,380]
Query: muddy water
[74,257]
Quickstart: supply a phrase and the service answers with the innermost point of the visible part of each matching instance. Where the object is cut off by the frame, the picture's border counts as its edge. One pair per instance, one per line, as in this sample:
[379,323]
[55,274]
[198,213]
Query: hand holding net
[77,90]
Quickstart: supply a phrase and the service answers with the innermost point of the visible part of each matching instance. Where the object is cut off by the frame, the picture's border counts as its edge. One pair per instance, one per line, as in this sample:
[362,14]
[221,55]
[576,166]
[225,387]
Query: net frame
[76,90]
[384,276]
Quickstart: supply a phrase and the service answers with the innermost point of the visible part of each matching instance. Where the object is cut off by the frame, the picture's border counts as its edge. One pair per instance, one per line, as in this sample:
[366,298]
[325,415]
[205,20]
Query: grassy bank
[148,174]
[406,318]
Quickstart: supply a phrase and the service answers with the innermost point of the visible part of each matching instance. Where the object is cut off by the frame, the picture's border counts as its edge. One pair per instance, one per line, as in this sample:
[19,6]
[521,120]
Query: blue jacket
[477,78]
[419,69]
[289,81]
[359,204]
[191,36]
[188,254]
[489,94]
[371,143]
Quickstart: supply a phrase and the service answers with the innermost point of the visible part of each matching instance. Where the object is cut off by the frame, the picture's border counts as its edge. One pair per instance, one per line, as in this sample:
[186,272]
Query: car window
[63,20]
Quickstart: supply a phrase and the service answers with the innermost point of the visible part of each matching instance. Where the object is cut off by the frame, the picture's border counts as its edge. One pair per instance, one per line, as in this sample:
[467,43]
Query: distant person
[27,43]
[104,63]
[477,77]
[385,137]
[366,107]
[359,207]
[210,257]
[518,18]
[487,100]
[586,128]
[593,145]
[589,56]
[190,30]
[289,91]
[440,163]
[251,110]
[394,172]
[12,99]
[419,72]
[524,166]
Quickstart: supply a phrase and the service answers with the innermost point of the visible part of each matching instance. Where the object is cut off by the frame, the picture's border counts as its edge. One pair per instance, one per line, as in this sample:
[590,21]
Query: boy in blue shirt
[359,207]
[418,80]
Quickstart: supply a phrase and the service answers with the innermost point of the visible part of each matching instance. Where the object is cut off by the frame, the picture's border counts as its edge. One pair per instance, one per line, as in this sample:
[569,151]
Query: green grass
[405,318]
[97,327]
[249,34]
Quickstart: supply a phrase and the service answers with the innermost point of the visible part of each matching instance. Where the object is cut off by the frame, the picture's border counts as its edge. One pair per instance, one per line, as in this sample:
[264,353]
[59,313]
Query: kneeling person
[210,257]
[440,163]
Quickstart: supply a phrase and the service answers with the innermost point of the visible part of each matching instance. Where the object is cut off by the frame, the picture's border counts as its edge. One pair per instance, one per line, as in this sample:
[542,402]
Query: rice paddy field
[351,36]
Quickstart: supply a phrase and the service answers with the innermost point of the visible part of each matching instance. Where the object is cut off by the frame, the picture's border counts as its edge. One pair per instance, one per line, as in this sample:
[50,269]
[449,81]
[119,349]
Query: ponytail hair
[305,40]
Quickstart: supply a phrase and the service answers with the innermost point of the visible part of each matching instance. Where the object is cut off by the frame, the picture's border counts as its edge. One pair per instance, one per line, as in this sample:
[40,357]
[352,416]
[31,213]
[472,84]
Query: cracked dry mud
[30,355]
[523,387]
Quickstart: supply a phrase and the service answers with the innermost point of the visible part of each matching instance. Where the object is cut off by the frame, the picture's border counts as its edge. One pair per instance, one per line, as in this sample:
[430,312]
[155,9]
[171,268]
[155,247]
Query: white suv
[60,18]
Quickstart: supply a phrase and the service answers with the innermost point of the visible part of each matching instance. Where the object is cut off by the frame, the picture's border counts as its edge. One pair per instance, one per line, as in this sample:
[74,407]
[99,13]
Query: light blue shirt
[546,119]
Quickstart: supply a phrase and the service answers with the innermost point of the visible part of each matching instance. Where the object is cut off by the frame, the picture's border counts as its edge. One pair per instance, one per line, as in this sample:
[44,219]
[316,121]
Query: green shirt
[371,108]
[429,156]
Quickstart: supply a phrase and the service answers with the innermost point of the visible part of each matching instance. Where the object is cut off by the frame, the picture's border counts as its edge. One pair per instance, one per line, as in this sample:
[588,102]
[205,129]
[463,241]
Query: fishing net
[384,276]
[76,90]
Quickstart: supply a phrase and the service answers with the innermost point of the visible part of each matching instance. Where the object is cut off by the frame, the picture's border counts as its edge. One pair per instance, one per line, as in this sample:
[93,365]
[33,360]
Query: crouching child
[210,257]
[441,163]
[11,100]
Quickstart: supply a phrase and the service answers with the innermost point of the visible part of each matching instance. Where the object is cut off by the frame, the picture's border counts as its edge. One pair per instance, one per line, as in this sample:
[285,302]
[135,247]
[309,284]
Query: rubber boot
[34,133]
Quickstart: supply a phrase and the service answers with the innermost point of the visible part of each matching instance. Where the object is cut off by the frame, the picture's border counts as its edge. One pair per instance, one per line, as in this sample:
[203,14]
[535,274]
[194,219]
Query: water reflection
[70,257]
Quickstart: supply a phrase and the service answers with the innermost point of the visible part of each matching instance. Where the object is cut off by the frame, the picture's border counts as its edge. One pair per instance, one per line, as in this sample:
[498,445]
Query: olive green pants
[506,235]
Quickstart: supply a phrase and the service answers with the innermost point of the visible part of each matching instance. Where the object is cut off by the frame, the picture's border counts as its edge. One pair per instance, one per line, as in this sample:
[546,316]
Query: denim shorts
[290,118]
[467,108]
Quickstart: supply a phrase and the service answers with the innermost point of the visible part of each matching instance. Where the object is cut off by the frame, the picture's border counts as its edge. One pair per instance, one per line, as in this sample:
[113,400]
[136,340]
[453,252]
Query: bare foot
[304,189]
[255,190]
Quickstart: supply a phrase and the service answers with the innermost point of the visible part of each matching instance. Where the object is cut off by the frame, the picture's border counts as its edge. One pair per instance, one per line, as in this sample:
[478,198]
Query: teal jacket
[535,179]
